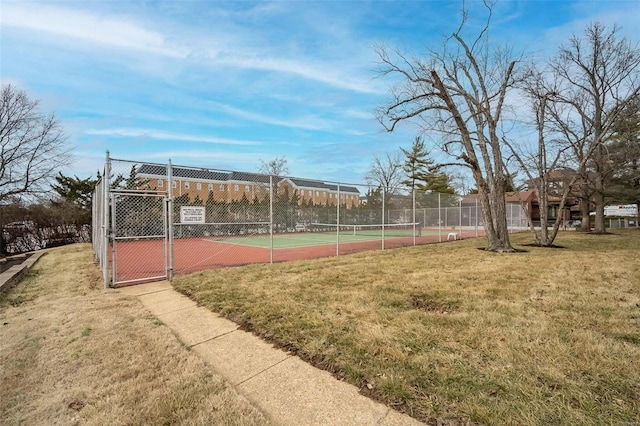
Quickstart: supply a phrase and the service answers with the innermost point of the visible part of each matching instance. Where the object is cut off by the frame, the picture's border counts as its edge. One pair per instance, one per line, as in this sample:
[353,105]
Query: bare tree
[32,145]
[385,172]
[276,167]
[460,93]
[600,75]
[542,160]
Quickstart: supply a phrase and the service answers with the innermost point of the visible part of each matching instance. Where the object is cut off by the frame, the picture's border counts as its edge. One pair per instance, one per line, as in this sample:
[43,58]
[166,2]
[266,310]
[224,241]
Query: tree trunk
[598,199]
[494,214]
[585,208]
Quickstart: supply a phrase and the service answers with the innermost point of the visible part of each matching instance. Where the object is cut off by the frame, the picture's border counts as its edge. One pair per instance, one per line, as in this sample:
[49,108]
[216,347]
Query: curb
[13,275]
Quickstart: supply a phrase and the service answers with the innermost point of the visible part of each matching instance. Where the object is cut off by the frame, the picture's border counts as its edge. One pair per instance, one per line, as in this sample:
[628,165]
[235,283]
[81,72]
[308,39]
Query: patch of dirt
[76,405]
[515,250]
[543,246]
[421,303]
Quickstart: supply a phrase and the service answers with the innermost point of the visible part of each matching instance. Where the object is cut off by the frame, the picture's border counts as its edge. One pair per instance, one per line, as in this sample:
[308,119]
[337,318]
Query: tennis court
[325,234]
[145,258]
[152,221]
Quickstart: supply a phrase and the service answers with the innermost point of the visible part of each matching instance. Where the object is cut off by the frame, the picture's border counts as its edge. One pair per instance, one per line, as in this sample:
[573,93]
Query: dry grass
[454,335]
[72,353]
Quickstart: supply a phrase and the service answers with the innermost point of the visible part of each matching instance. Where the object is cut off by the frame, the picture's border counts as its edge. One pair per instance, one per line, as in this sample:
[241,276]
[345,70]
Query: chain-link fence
[151,221]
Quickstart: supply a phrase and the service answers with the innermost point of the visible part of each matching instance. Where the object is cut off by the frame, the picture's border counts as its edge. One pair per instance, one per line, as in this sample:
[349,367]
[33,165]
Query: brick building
[232,186]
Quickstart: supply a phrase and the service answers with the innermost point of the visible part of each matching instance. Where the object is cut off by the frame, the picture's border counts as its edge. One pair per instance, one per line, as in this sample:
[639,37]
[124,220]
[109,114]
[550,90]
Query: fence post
[439,219]
[170,219]
[384,190]
[413,219]
[476,216]
[338,224]
[460,212]
[114,252]
[106,185]
[270,218]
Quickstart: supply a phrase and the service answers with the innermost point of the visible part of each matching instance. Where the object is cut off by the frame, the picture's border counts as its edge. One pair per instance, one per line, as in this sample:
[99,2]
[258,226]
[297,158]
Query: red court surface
[144,260]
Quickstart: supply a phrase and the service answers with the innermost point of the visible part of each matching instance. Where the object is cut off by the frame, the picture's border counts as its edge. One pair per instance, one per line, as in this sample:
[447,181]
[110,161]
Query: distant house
[528,202]
[233,186]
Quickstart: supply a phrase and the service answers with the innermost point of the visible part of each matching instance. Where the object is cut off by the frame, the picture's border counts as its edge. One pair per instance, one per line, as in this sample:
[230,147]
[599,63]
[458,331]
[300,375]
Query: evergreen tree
[75,190]
[422,172]
[624,156]
[417,165]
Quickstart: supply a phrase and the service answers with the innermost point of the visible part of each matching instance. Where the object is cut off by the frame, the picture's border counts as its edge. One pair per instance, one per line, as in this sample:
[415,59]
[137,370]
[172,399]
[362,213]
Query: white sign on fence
[191,214]
[626,210]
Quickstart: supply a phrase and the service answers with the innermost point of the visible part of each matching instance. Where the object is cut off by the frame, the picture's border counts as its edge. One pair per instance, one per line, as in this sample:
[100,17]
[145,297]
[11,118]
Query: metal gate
[139,237]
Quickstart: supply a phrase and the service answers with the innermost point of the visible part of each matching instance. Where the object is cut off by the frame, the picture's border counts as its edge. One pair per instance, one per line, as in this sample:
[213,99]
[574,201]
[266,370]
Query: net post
[170,218]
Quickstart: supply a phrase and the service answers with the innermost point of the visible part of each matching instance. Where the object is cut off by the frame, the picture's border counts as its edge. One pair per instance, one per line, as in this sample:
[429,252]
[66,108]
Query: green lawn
[305,239]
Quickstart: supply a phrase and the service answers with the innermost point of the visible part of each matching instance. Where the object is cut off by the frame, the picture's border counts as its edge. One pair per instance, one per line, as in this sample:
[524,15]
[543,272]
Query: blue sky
[227,84]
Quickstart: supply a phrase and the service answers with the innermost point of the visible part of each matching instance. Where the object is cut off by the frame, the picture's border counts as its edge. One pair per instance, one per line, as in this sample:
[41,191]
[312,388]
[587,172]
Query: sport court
[146,258]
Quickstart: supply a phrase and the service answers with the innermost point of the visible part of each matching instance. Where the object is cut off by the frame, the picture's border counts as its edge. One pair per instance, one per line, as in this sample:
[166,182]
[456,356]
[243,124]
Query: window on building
[186,185]
[222,187]
[175,184]
[317,193]
[210,187]
[198,185]
[246,188]
[160,183]
[236,188]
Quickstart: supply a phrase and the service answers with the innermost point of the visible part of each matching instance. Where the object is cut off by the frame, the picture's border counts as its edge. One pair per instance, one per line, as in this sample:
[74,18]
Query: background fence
[151,221]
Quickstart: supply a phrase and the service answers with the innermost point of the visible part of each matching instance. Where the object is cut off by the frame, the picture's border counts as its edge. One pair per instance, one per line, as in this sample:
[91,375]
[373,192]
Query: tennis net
[387,230]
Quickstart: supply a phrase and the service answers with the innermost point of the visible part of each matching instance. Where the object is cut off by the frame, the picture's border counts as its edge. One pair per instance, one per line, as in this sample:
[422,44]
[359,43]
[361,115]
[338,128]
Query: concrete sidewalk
[285,388]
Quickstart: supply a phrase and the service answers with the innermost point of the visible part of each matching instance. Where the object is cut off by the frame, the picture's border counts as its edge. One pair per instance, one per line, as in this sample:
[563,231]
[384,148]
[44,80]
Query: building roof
[316,184]
[248,177]
[205,174]
[182,172]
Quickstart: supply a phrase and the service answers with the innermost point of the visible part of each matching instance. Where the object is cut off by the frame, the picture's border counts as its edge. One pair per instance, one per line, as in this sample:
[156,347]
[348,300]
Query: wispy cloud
[200,156]
[308,122]
[123,32]
[317,72]
[119,32]
[154,134]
